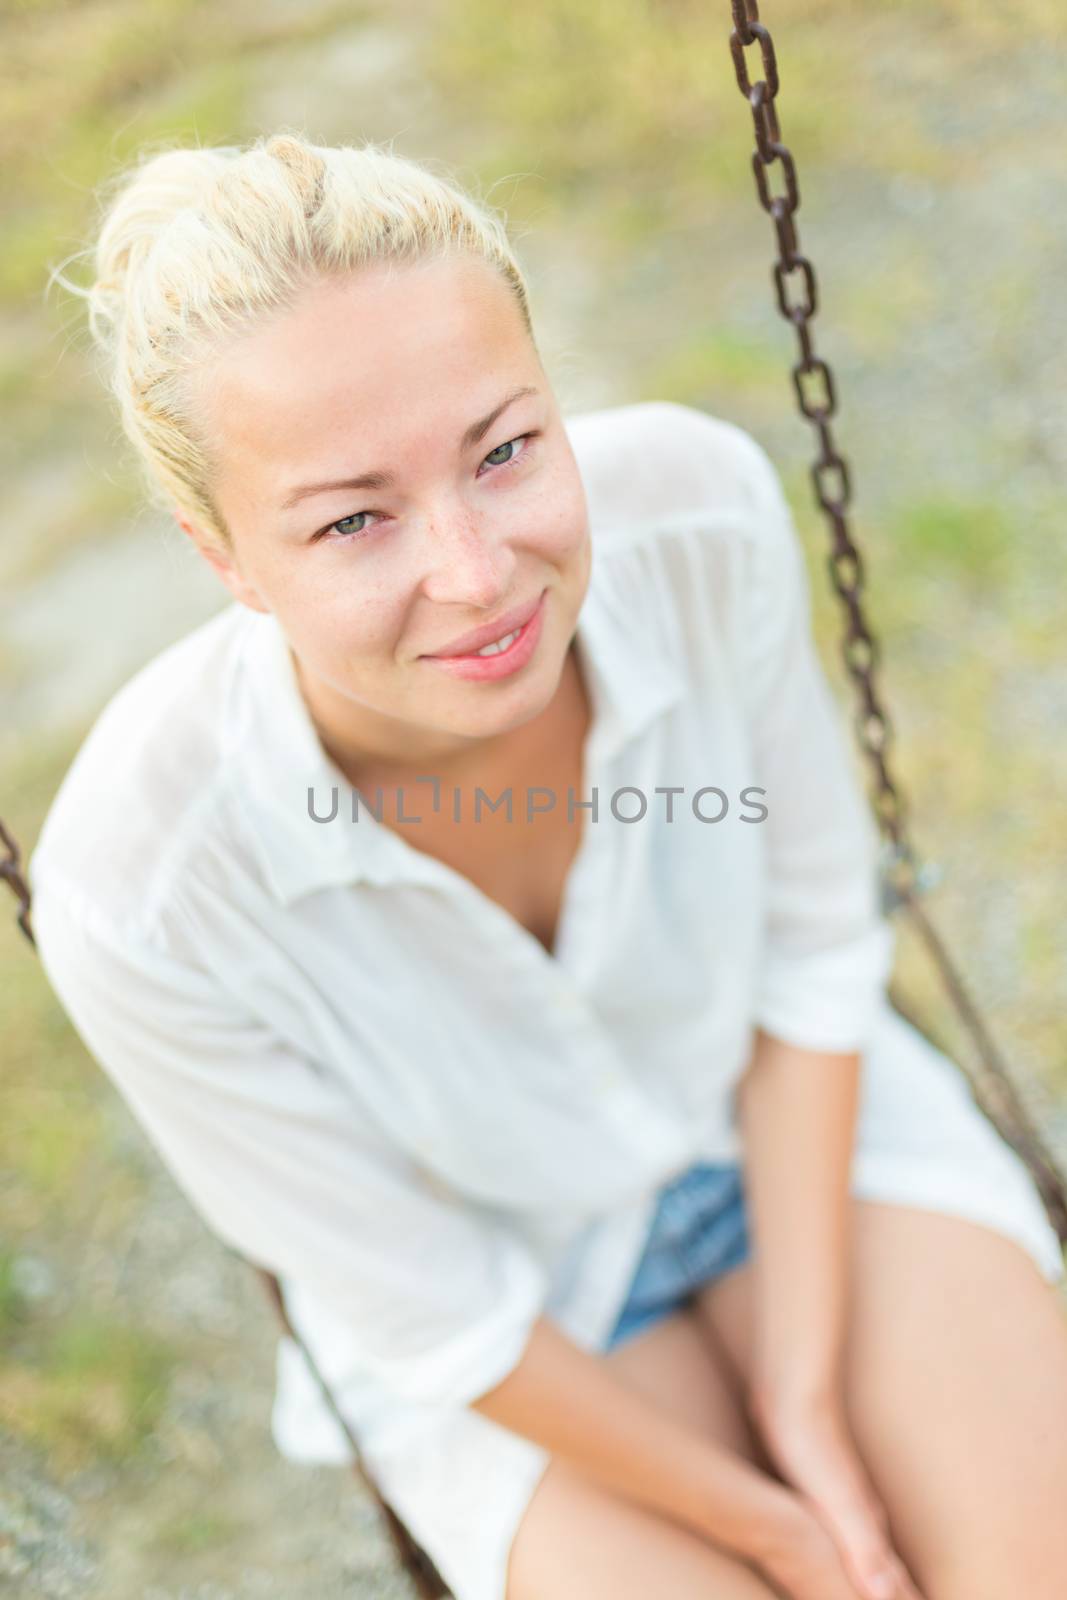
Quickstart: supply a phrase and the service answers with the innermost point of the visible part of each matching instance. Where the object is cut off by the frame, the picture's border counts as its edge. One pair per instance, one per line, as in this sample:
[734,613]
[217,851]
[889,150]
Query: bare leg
[956,1385]
[579,1541]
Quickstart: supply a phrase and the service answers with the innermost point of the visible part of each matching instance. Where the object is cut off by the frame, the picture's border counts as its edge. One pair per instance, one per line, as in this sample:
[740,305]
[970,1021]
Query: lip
[504,663]
[468,643]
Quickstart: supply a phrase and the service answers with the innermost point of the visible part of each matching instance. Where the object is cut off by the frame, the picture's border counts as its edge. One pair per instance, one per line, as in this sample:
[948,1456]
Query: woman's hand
[810,1444]
[799,1557]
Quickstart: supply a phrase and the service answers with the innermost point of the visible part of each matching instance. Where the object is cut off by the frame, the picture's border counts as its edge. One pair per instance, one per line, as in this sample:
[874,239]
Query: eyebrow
[385,480]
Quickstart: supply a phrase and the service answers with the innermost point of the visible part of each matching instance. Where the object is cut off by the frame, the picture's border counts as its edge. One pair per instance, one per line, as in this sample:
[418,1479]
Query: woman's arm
[797,1111]
[568,1400]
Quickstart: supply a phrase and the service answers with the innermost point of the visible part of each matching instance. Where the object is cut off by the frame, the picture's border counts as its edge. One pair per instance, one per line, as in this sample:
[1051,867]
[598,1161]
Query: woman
[481,916]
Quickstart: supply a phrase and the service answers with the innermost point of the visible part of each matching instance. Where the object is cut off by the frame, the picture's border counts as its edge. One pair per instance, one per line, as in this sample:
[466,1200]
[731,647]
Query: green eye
[525,439]
[342,531]
[510,443]
[355,517]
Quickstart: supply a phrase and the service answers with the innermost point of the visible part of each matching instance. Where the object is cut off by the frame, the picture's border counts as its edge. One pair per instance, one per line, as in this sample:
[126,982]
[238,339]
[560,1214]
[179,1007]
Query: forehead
[406,348]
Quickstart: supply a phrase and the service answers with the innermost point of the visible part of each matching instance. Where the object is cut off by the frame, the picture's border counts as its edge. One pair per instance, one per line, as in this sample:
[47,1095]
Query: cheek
[340,619]
[559,517]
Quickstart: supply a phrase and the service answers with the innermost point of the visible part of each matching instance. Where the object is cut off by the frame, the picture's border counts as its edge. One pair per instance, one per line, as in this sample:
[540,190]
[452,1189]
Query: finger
[908,1589]
[867,1554]
[813,1568]
[875,1575]
[875,1564]
[892,1583]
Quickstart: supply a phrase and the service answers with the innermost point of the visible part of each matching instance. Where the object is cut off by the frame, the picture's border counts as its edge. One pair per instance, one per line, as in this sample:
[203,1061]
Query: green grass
[53,1132]
[719,365]
[90,1389]
[193,1532]
[82,1385]
[966,542]
[52,1124]
[12,1307]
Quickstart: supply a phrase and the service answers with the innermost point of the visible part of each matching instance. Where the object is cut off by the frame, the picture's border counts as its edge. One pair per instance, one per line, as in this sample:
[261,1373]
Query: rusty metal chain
[903,878]
[11,872]
[797,294]
[419,1564]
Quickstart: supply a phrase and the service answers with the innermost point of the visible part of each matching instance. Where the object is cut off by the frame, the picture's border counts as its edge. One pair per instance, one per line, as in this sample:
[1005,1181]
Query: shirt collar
[278,757]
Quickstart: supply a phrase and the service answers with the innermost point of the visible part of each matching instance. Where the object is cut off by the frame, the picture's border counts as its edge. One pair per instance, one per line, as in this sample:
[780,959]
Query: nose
[468,562]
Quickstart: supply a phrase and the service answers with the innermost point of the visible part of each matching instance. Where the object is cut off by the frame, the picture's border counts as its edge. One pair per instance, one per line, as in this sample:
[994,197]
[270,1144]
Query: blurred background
[137,1354]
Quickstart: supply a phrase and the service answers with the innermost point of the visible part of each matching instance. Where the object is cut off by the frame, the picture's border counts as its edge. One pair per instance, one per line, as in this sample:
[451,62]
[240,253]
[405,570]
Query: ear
[223,563]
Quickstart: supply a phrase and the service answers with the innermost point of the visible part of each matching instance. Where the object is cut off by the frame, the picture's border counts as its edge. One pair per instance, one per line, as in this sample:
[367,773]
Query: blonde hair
[196,244]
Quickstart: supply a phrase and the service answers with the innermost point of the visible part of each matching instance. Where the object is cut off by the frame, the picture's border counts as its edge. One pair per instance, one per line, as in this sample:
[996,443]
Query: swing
[903,879]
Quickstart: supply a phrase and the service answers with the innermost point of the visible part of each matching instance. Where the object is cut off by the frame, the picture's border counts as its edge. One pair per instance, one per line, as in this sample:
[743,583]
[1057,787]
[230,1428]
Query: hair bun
[140,209]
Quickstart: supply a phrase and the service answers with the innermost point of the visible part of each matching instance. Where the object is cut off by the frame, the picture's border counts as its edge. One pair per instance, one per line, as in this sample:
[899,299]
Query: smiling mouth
[498,658]
[491,644]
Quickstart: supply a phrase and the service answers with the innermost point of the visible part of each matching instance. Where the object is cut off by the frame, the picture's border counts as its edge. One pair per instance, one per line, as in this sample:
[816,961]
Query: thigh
[580,1541]
[956,1386]
[673,1363]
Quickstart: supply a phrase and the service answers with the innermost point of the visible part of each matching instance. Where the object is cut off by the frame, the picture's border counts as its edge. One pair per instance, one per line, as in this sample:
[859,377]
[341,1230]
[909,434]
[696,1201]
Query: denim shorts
[698,1232]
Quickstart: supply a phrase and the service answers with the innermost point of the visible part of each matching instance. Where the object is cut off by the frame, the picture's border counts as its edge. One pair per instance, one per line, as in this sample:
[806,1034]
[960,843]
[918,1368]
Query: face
[471,511]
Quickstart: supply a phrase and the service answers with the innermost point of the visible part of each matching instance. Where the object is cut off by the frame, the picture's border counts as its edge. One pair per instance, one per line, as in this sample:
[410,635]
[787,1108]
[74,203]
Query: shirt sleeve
[280,1161]
[829,947]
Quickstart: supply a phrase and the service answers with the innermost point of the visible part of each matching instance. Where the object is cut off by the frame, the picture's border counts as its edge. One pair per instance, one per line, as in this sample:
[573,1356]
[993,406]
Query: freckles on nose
[465,552]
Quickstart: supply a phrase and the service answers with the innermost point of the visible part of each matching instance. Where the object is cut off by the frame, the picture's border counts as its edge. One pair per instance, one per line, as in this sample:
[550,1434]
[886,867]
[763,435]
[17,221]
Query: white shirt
[373,1080]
